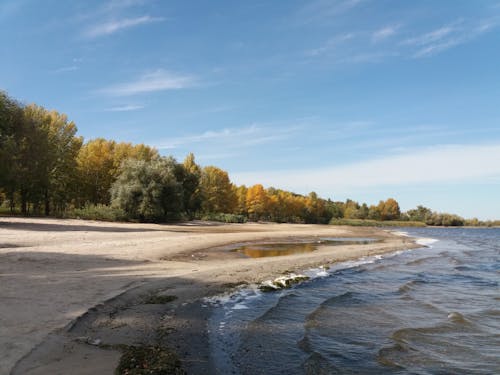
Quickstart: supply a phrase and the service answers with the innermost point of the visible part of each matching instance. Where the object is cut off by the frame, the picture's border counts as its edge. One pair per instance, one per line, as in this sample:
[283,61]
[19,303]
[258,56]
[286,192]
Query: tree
[351,209]
[99,162]
[148,190]
[43,165]
[256,202]
[191,185]
[241,199]
[420,213]
[217,191]
[11,122]
[389,210]
[374,213]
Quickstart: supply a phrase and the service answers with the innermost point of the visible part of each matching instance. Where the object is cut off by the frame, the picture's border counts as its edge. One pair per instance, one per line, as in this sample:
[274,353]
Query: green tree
[11,123]
[191,185]
[420,213]
[149,190]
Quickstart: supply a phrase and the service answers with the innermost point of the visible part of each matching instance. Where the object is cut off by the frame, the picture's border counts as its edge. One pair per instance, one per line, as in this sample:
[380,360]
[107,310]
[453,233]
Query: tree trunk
[47,204]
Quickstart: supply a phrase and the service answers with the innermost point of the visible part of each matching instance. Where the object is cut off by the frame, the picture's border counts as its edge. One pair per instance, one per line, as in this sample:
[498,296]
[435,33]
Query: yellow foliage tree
[257,202]
[99,162]
[389,210]
[217,191]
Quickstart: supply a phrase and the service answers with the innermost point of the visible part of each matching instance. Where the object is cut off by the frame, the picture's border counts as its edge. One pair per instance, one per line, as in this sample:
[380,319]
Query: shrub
[99,212]
[224,218]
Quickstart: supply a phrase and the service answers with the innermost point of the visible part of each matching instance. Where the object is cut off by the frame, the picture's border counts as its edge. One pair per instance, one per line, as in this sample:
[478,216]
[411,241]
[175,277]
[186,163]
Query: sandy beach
[74,292]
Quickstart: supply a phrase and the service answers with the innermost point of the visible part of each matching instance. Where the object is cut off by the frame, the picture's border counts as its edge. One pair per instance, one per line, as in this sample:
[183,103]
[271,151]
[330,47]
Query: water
[426,311]
[280,249]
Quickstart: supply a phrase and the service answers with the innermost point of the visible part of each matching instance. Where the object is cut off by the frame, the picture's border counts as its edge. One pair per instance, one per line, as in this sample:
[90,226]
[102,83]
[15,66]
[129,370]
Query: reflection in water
[280,249]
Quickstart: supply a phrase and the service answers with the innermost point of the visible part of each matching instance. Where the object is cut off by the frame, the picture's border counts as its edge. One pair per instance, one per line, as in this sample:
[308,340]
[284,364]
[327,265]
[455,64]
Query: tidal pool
[260,250]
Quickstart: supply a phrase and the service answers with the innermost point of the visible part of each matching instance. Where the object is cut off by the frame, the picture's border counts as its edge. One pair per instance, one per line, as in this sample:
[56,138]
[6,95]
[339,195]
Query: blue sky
[358,99]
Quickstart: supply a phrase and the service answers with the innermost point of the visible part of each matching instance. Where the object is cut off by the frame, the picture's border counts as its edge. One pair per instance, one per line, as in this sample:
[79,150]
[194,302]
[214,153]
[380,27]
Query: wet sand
[75,292]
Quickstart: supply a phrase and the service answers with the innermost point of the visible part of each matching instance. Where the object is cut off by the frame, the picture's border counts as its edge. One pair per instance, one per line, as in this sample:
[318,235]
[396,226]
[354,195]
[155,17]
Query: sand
[73,292]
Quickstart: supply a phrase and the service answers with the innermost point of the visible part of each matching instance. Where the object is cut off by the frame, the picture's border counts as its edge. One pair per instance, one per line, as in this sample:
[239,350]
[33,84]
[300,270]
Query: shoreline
[118,266]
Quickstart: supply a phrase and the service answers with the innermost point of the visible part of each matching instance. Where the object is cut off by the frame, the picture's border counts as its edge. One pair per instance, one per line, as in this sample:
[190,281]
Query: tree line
[47,169]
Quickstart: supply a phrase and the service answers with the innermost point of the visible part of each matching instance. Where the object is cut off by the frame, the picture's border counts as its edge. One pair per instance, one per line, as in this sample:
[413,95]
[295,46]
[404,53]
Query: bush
[376,223]
[224,218]
[99,212]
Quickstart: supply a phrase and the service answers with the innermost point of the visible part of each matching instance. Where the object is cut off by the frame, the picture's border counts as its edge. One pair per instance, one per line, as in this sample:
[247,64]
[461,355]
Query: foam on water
[426,241]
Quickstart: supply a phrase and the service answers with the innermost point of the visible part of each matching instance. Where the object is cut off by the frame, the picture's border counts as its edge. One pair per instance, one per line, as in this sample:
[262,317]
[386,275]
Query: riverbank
[77,292]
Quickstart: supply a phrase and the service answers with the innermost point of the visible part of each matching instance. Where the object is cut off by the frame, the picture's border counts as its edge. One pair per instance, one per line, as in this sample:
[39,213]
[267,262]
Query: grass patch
[157,299]
[376,223]
[150,360]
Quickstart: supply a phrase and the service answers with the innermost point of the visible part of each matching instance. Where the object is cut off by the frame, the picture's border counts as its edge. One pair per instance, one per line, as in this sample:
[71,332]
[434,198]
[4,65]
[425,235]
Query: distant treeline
[47,169]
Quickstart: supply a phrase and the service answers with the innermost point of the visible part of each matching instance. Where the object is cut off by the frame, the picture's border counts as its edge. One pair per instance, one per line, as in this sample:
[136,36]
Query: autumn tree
[217,191]
[99,162]
[389,210]
[256,202]
[316,210]
[241,200]
[44,161]
[351,209]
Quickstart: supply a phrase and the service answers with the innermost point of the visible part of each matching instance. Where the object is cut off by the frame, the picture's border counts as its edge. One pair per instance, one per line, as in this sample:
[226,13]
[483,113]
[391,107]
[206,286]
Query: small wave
[316,364]
[463,268]
[426,241]
[410,285]
[419,261]
[313,319]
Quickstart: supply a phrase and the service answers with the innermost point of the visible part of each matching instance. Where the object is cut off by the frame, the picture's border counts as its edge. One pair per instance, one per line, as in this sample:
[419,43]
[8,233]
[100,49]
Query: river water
[433,310]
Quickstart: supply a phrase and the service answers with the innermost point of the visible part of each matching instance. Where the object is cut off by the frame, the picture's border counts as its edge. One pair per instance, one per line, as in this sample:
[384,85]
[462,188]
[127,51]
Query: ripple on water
[428,311]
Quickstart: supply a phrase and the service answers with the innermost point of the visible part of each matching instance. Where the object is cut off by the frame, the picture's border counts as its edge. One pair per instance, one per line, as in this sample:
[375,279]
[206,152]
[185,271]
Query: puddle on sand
[280,249]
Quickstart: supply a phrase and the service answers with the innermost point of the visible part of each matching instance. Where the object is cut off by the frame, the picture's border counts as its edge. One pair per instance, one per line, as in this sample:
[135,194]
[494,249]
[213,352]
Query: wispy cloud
[448,36]
[358,46]
[66,69]
[125,108]
[111,27]
[384,33]
[445,164]
[252,135]
[331,44]
[159,80]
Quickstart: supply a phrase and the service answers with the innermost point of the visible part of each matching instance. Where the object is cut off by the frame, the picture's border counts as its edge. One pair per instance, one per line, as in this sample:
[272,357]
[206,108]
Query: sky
[360,99]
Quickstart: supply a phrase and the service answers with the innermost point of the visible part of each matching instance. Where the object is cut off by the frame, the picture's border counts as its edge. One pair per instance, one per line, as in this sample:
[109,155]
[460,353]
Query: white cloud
[159,80]
[430,37]
[384,33]
[125,108]
[114,26]
[448,36]
[443,164]
[231,138]
[331,44]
